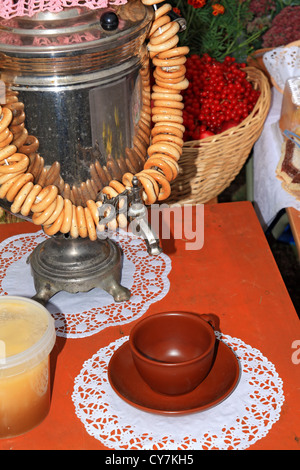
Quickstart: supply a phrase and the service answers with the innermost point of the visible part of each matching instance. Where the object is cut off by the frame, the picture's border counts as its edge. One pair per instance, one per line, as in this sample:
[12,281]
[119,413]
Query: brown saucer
[128,384]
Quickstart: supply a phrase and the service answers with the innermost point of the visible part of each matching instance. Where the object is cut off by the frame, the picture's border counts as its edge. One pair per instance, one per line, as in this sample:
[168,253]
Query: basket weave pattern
[208,166]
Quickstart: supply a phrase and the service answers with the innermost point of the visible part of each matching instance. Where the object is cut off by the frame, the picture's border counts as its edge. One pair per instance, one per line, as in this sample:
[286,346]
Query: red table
[235,276]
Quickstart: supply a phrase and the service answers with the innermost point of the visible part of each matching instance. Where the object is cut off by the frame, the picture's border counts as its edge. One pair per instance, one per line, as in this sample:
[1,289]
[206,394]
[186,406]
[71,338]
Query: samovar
[77,154]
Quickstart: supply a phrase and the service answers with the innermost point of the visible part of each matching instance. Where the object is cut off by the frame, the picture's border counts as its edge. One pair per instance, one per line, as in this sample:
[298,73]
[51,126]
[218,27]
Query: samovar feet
[77,265]
[114,288]
[44,292]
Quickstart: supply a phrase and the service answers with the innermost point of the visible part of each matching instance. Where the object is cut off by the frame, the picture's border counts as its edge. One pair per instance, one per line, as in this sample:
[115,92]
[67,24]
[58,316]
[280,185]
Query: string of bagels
[40,192]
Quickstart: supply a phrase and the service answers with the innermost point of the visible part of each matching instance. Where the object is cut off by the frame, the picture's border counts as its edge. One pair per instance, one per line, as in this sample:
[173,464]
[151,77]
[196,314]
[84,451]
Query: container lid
[72,28]
[27,334]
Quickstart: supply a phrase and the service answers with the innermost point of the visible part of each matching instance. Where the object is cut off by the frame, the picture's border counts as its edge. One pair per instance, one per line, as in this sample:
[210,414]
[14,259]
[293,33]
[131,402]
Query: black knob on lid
[109,21]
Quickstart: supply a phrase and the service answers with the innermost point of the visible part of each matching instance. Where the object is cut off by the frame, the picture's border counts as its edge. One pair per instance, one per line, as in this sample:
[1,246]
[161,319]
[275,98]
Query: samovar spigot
[130,203]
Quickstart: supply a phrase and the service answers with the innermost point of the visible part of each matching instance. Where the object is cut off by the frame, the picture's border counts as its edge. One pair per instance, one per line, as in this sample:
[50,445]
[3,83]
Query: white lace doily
[282,63]
[84,314]
[239,421]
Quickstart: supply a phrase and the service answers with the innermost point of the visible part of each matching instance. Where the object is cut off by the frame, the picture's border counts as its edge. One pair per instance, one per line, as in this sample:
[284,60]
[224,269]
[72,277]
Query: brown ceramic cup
[174,351]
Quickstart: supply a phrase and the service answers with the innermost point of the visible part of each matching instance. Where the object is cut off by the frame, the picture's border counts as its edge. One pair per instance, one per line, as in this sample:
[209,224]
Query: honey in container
[27,337]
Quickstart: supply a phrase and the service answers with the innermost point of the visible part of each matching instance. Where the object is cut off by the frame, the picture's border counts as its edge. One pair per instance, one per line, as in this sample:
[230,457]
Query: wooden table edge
[294,221]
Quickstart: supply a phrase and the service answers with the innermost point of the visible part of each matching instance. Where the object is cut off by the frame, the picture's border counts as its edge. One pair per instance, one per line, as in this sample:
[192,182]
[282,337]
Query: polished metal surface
[80,84]
[79,124]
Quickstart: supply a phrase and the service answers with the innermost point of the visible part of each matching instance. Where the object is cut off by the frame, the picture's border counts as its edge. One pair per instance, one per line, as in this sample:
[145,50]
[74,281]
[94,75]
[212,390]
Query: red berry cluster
[219,96]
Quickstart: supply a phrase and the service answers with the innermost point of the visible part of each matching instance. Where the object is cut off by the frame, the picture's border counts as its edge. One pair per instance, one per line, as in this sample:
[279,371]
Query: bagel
[5,119]
[18,185]
[55,227]
[67,220]
[20,197]
[165,188]
[44,198]
[30,199]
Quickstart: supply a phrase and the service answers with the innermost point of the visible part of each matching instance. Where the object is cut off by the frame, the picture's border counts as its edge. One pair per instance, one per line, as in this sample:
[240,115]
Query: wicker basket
[208,166]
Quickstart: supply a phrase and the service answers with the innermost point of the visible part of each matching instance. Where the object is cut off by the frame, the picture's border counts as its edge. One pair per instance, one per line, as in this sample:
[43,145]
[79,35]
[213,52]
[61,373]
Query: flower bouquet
[277,20]
[217,28]
[279,23]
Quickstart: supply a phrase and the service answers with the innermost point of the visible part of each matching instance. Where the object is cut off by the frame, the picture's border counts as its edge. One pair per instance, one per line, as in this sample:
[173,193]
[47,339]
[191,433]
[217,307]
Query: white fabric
[243,418]
[269,196]
[84,314]
[283,63]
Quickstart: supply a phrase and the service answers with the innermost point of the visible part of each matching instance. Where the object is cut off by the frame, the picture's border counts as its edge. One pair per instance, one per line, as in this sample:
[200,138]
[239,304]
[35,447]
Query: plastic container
[27,337]
[290,108]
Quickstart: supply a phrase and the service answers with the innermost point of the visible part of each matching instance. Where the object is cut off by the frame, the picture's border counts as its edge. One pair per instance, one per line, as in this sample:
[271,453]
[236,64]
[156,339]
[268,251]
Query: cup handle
[212,319]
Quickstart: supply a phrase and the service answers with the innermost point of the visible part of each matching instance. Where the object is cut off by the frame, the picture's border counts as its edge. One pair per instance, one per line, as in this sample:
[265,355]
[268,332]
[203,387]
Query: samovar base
[77,265]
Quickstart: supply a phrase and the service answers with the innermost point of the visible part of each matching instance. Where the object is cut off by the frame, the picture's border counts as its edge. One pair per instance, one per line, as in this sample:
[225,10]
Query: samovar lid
[75,28]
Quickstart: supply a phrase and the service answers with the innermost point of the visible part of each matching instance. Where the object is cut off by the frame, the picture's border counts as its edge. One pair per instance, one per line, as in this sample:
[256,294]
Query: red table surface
[233,275]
